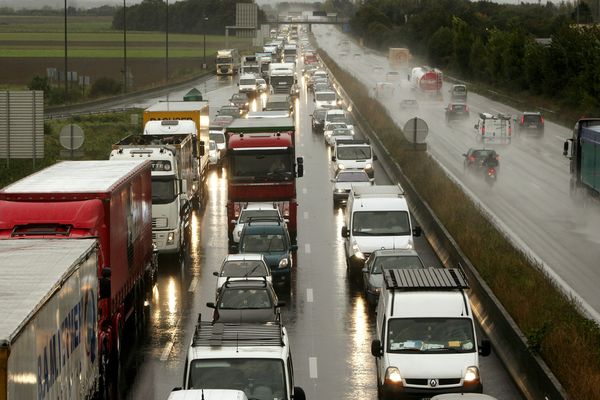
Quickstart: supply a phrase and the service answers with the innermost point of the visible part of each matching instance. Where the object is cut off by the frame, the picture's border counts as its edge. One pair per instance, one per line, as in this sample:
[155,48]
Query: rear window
[271,105]
[325,96]
[531,119]
[358,176]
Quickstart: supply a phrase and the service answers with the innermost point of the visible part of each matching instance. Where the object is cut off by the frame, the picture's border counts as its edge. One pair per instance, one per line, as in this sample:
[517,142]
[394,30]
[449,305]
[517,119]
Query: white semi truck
[175,182]
[49,325]
[227,62]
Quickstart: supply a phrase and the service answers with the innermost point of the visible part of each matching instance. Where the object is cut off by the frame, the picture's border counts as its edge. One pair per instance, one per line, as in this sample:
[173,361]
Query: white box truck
[174,183]
[49,324]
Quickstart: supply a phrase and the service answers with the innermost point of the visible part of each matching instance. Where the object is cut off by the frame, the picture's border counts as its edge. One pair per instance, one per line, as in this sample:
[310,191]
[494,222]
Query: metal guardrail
[72,114]
[529,371]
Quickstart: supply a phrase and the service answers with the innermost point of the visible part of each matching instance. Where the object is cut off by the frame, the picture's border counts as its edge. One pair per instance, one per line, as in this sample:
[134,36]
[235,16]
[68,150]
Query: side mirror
[294,247]
[280,303]
[417,231]
[105,285]
[475,126]
[210,304]
[299,393]
[345,232]
[234,221]
[464,154]
[201,150]
[233,248]
[332,180]
[215,273]
[485,348]
[376,348]
[300,172]
[176,389]
[566,148]
[238,84]
[365,270]
[372,180]
[183,186]
[333,158]
[374,157]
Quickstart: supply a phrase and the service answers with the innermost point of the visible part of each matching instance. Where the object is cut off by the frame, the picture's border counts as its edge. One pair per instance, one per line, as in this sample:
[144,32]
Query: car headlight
[283,263]
[339,190]
[171,238]
[377,290]
[411,244]
[341,166]
[357,252]
[368,166]
[392,375]
[472,374]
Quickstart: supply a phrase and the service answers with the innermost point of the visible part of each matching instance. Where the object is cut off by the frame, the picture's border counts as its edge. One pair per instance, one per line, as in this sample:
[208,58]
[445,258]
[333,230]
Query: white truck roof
[208,394]
[31,271]
[170,126]
[177,106]
[378,191]
[76,177]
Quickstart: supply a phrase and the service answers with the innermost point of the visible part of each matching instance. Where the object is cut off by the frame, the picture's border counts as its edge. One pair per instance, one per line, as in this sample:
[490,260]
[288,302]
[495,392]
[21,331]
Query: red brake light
[466,108]
[483,129]
[522,119]
[542,120]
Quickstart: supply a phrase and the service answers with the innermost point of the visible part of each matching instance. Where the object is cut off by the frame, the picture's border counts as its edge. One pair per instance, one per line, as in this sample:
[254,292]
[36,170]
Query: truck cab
[425,342]
[254,358]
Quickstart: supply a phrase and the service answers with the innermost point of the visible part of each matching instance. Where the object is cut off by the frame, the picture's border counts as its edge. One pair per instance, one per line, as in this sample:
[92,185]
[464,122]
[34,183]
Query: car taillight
[542,120]
[483,130]
[466,108]
[522,119]
[509,130]
[471,158]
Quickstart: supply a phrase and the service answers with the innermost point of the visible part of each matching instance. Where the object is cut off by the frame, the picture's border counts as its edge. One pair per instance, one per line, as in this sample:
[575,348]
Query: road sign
[71,137]
[416,130]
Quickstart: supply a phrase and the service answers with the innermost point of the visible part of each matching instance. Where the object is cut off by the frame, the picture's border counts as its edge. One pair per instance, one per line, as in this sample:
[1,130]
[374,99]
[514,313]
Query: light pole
[167,46]
[204,62]
[66,81]
[124,47]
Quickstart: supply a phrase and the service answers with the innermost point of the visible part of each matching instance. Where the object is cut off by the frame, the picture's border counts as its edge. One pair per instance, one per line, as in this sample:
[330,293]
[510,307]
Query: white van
[377,217]
[426,342]
[354,154]
[254,358]
[247,84]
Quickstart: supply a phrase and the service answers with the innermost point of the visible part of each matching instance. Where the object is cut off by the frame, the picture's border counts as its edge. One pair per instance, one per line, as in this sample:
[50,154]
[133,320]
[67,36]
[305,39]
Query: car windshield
[325,96]
[481,154]
[354,152]
[239,96]
[247,81]
[388,262]
[260,379]
[319,114]
[341,132]
[261,82]
[380,223]
[331,126]
[459,89]
[430,335]
[243,268]
[217,137]
[336,118]
[263,243]
[258,213]
[234,112]
[163,189]
[357,176]
[212,145]
[244,298]
[247,166]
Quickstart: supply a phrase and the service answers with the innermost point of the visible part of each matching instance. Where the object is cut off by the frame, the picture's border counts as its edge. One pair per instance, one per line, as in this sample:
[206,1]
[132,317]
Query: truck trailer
[426,79]
[49,328]
[583,149]
[106,200]
[262,166]
[174,182]
[196,111]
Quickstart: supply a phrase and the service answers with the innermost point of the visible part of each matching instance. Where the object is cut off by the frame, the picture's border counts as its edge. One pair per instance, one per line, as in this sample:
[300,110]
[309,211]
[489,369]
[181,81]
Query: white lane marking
[307,248]
[305,214]
[309,295]
[312,367]
[304,190]
[166,351]
[193,284]
[560,139]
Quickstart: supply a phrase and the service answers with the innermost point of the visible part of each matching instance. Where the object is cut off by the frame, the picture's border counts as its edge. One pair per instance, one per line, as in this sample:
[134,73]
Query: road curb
[530,372]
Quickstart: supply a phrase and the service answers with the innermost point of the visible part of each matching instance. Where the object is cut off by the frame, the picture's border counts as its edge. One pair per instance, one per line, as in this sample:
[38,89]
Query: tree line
[531,47]
[187,16]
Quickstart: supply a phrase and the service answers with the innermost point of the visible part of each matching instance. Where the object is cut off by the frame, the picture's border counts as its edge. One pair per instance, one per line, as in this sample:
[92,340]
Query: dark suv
[457,111]
[246,300]
[270,238]
[318,119]
[531,122]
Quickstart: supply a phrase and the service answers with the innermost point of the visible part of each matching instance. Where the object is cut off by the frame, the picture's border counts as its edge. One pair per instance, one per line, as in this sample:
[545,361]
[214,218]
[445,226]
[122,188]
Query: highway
[531,199]
[326,315]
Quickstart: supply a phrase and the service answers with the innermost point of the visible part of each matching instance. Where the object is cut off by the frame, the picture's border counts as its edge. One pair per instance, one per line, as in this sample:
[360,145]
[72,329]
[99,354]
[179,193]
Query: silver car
[343,182]
[242,266]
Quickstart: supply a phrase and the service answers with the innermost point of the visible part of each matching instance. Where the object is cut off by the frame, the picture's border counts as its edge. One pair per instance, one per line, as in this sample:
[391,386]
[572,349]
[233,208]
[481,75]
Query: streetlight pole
[66,81]
[167,46]
[124,47]
[204,62]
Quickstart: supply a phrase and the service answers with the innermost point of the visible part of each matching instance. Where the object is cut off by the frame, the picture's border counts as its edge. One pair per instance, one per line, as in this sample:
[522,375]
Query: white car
[344,180]
[207,394]
[214,156]
[338,115]
[242,266]
[326,99]
[247,84]
[261,84]
[254,210]
[339,134]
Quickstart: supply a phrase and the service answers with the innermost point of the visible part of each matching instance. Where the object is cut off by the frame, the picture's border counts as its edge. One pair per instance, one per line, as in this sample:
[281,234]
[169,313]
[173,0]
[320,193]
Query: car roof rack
[425,279]
[242,280]
[266,218]
[353,141]
[378,191]
[222,334]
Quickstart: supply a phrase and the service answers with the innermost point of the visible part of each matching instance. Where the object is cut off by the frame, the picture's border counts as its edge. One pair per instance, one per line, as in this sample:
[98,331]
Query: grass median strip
[552,322]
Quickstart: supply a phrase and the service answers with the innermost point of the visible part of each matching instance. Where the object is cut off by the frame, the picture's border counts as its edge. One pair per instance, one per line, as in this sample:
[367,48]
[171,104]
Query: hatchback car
[336,134]
[240,100]
[318,119]
[254,210]
[272,240]
[261,84]
[242,266]
[232,111]
[383,259]
[531,122]
[457,111]
[343,182]
[248,300]
[474,158]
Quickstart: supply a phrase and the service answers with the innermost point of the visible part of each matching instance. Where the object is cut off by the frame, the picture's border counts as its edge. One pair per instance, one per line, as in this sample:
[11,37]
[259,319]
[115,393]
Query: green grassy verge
[101,131]
[553,324]
[149,52]
[26,24]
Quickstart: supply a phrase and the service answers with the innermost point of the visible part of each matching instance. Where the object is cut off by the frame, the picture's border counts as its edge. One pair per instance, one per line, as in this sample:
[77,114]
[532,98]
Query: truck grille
[159,223]
[441,382]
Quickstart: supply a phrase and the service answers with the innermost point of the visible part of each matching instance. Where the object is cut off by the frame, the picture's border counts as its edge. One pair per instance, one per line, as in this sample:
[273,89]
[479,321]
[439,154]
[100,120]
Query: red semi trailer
[107,200]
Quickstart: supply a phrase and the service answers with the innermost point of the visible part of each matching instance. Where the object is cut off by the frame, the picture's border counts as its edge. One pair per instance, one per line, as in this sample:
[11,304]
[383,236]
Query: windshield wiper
[251,271]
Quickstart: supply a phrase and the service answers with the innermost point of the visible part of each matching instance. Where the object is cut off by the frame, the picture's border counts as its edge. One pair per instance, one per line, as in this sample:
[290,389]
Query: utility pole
[167,46]
[124,47]
[204,60]
[66,57]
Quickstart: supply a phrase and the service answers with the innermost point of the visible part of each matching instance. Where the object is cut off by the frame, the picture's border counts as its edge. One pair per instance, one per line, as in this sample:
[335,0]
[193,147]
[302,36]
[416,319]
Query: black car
[240,100]
[318,119]
[233,111]
[475,159]
[531,122]
[458,93]
[248,300]
[457,111]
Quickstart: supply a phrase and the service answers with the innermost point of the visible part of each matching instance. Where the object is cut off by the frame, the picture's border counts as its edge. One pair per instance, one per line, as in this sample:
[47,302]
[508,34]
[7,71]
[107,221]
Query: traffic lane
[542,170]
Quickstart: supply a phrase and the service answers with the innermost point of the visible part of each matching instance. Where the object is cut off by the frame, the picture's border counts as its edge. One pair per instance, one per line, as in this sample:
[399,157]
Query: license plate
[533,126]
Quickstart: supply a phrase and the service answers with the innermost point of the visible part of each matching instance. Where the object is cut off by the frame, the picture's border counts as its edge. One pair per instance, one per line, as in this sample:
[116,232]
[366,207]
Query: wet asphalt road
[326,315]
[530,200]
